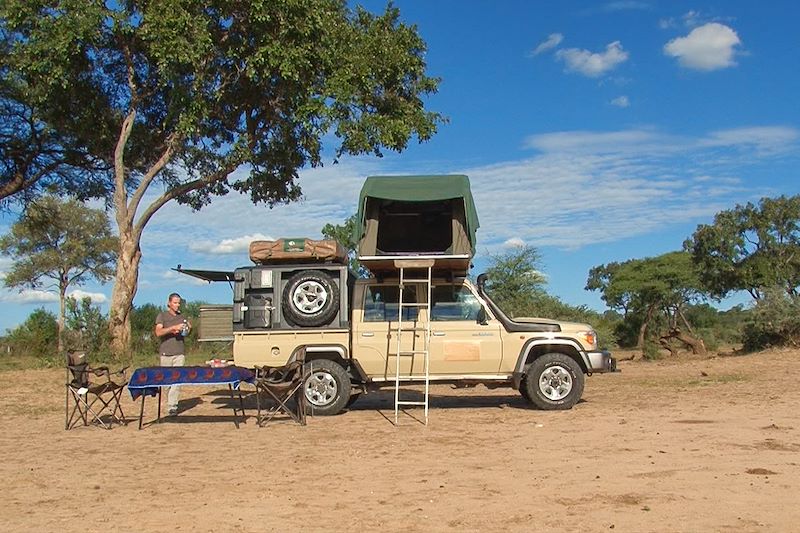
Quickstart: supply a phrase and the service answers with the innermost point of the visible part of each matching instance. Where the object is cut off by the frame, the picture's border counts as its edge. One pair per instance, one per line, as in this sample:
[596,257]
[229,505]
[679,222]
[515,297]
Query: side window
[454,302]
[381,303]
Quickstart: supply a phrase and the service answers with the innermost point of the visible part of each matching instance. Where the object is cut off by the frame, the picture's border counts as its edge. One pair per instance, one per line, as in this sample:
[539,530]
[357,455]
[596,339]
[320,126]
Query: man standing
[171,328]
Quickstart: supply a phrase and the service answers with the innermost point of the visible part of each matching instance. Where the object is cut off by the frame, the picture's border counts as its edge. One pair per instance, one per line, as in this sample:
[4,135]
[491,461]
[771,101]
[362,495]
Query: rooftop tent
[419,216]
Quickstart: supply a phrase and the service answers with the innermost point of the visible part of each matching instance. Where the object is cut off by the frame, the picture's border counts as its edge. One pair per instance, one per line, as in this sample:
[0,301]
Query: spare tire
[310,299]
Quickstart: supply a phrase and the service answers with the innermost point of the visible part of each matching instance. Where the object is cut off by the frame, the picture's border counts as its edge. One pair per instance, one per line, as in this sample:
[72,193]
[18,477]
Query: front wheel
[326,387]
[554,381]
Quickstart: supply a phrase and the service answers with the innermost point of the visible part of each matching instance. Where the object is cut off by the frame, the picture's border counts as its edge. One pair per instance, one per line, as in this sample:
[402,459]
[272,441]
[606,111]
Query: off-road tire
[310,299]
[554,381]
[523,389]
[326,387]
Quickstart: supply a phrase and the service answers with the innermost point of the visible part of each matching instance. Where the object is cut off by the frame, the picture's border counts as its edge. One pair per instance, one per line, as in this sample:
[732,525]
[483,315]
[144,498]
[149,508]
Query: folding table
[149,381]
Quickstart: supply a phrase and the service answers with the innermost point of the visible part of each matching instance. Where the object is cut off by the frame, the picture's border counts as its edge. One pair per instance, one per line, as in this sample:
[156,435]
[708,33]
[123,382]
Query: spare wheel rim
[309,297]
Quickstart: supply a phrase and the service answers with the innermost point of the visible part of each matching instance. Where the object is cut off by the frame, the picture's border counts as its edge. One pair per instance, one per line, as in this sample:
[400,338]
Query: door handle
[368,334]
[438,333]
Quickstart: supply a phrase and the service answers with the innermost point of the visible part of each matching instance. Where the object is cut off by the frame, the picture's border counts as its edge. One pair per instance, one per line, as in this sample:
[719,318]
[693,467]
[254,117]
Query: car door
[459,343]
[375,335]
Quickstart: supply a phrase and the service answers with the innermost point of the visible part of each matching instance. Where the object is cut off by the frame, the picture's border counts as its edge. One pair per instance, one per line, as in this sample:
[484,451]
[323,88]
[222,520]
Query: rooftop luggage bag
[285,251]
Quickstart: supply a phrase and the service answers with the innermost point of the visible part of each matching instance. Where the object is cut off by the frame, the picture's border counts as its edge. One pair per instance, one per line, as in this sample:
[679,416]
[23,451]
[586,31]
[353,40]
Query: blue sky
[594,131]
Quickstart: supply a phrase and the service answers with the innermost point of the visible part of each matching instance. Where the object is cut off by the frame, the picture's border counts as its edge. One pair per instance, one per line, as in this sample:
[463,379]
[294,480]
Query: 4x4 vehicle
[357,335]
[472,342]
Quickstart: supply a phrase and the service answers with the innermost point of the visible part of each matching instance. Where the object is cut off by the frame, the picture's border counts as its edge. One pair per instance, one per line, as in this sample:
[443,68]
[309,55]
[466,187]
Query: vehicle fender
[539,345]
[337,353]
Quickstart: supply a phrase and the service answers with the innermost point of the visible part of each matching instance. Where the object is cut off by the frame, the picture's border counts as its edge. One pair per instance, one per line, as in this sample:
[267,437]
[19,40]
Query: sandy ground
[688,445]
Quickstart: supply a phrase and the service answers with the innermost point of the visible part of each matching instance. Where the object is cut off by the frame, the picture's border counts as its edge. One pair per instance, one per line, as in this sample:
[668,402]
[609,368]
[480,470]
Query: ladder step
[411,352]
[418,328]
[415,304]
[410,403]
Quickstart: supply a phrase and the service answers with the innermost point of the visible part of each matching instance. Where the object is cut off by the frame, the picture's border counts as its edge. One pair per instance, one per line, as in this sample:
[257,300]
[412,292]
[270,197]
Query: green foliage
[345,235]
[37,337]
[187,101]
[87,328]
[59,243]
[207,88]
[774,321]
[749,248]
[143,321]
[515,281]
[516,284]
[648,292]
[651,351]
[666,280]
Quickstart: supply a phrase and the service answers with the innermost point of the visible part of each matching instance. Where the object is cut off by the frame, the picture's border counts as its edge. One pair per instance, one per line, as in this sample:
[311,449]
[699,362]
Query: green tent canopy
[401,216]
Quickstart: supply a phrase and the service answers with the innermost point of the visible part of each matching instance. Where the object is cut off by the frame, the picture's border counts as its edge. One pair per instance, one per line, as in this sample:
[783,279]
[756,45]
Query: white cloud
[553,40]
[639,140]
[593,64]
[594,187]
[766,139]
[621,101]
[514,242]
[228,246]
[29,296]
[692,18]
[96,297]
[708,47]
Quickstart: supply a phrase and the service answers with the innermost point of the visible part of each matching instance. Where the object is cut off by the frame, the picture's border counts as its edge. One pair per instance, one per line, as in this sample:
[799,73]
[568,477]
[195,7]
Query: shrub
[774,321]
[36,337]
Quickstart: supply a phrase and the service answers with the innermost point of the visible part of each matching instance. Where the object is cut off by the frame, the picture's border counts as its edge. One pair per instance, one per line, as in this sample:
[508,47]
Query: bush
[87,329]
[36,337]
[774,321]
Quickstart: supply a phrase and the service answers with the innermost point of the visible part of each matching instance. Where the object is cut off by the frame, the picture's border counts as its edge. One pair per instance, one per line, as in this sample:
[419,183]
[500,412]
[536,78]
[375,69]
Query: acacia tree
[59,244]
[186,93]
[750,248]
[652,287]
[515,280]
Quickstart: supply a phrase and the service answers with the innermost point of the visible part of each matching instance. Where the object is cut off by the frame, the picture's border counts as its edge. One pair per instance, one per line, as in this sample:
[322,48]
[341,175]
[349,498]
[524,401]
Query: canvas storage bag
[297,250]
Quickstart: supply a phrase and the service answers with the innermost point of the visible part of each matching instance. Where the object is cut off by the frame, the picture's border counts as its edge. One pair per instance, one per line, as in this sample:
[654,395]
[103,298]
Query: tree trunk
[643,328]
[696,344]
[125,286]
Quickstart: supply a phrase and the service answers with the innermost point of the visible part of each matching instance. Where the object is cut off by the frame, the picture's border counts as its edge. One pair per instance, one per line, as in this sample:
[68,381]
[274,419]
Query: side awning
[206,275]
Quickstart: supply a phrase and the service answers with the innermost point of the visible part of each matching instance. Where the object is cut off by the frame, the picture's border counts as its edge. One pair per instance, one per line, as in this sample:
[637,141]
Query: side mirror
[483,318]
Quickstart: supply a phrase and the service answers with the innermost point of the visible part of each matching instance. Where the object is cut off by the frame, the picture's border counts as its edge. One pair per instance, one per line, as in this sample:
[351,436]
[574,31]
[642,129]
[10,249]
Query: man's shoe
[173,412]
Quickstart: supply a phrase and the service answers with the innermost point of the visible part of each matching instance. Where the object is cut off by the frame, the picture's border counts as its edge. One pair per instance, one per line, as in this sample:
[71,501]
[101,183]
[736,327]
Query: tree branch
[178,191]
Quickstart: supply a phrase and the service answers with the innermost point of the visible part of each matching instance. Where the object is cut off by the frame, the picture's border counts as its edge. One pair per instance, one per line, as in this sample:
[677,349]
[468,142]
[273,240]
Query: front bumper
[601,361]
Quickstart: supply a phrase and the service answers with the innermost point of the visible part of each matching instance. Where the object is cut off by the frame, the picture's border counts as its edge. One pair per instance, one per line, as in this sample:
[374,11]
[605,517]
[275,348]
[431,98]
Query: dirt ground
[688,445]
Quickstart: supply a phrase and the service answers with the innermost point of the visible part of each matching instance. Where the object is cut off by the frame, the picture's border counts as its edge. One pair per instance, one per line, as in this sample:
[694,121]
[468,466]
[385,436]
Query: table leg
[233,401]
[141,411]
[159,405]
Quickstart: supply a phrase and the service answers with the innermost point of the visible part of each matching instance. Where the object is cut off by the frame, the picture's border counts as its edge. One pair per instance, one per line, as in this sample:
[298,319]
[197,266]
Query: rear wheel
[326,387]
[553,381]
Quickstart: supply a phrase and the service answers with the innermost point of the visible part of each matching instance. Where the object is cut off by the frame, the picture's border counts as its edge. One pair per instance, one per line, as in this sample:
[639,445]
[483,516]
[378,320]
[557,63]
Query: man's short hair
[174,295]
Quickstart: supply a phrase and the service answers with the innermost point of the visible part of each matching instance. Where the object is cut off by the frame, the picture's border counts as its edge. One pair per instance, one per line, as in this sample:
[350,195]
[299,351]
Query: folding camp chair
[281,385]
[93,393]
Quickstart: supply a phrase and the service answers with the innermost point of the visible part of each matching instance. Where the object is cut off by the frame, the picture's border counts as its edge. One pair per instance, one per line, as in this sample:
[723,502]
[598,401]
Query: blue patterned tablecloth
[147,381]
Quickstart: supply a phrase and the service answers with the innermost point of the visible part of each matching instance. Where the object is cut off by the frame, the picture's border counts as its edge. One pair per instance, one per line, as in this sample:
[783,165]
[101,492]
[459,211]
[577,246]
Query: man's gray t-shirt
[171,344]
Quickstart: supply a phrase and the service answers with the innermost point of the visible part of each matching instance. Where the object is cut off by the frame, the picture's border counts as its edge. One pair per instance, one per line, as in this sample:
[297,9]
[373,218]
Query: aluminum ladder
[413,351]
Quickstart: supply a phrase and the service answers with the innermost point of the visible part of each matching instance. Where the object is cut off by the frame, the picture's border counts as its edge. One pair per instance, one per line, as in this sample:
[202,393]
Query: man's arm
[161,331]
